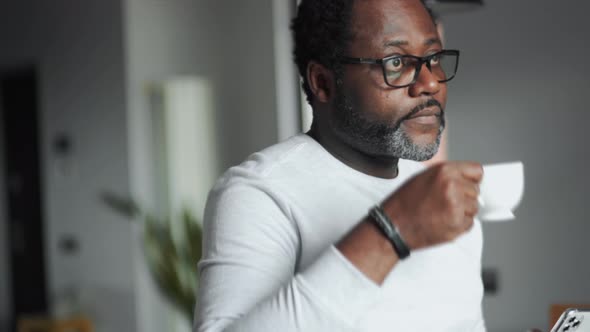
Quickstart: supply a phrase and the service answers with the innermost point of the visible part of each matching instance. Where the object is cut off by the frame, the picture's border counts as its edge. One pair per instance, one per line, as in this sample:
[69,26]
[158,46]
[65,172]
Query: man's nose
[426,83]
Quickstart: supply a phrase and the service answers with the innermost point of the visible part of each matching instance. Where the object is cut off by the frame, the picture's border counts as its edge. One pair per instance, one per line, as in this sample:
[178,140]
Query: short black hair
[321,32]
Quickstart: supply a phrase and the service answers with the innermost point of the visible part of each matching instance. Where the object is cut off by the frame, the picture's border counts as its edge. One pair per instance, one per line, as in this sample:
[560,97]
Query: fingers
[471,207]
[471,189]
[467,223]
[462,182]
[471,170]
[471,204]
[468,170]
[470,201]
[460,226]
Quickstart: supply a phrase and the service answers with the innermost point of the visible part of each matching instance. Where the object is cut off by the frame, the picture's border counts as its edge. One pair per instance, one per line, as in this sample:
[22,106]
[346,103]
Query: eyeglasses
[400,71]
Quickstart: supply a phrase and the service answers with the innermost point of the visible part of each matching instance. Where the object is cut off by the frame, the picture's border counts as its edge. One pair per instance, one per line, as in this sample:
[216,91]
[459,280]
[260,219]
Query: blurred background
[153,99]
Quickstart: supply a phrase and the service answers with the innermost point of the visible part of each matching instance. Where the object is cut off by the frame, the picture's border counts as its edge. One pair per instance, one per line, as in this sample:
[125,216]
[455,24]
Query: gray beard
[377,138]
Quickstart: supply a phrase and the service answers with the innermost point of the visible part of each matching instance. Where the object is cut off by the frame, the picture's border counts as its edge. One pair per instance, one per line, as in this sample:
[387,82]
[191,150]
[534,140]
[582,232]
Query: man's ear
[321,81]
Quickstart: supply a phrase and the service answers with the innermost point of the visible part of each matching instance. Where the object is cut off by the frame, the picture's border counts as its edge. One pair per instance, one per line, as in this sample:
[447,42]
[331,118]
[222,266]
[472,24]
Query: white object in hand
[501,190]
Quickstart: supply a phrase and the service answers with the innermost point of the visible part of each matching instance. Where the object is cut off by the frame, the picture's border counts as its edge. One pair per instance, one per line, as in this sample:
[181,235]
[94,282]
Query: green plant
[172,260]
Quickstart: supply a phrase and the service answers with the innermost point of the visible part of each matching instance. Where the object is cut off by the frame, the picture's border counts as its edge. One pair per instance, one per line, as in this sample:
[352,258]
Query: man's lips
[429,111]
[426,116]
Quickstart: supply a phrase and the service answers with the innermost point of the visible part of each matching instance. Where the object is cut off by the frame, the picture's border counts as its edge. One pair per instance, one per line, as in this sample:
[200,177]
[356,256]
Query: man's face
[373,117]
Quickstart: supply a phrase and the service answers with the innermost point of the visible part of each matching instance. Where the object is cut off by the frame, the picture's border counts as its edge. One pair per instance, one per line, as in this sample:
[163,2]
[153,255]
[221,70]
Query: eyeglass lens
[401,70]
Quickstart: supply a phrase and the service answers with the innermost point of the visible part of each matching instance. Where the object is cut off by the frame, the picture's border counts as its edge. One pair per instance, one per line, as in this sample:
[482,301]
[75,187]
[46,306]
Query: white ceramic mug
[501,190]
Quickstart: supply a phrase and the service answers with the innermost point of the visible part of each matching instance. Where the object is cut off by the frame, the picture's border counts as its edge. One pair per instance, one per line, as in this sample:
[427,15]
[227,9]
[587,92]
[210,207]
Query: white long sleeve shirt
[269,261]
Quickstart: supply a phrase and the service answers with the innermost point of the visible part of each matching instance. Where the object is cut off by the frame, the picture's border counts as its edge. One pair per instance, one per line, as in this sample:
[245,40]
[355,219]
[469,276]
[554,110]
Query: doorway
[19,108]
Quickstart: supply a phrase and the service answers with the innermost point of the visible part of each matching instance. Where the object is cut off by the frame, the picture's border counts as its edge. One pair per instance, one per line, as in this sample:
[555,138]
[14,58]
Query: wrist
[367,249]
[394,210]
[390,231]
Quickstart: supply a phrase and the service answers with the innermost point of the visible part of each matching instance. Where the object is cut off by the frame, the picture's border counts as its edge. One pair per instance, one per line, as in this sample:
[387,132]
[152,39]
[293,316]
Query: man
[293,241]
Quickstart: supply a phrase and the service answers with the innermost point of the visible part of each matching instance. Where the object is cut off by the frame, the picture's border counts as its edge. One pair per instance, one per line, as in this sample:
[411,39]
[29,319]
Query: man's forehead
[400,42]
[390,7]
[392,23]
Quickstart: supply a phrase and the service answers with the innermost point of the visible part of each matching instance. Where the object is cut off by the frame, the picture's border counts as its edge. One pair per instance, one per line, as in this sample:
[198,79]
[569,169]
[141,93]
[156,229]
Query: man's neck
[382,167]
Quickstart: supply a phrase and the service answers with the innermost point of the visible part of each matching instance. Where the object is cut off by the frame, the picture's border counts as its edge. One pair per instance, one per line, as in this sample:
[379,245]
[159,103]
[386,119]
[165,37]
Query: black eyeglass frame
[420,61]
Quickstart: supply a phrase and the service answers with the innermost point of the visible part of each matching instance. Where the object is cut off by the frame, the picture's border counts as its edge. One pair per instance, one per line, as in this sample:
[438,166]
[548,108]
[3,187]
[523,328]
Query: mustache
[428,103]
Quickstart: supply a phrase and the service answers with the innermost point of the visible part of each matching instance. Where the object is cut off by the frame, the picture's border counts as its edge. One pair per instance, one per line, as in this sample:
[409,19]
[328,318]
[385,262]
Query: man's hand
[437,205]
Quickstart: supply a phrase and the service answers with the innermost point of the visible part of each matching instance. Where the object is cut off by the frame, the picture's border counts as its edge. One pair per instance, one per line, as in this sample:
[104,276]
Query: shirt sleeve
[248,280]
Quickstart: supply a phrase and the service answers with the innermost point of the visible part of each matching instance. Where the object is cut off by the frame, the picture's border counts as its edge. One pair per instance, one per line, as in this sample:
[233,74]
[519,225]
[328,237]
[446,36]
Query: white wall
[162,39]
[96,60]
[227,43]
[521,94]
[78,46]
[288,94]
[246,81]
[83,95]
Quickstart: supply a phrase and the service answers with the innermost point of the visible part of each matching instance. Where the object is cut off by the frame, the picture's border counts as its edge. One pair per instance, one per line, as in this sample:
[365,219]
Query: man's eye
[435,60]
[395,65]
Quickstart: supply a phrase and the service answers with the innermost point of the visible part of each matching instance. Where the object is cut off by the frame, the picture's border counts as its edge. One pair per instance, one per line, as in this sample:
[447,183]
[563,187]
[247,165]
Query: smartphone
[571,320]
